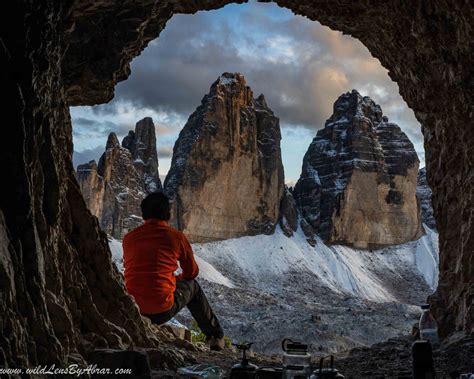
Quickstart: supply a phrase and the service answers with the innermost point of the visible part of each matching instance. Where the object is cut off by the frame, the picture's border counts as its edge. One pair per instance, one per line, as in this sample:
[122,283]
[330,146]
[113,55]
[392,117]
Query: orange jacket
[151,253]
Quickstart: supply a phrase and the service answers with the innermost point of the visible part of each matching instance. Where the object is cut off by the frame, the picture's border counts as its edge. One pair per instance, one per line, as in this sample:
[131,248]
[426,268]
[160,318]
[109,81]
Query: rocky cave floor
[388,359]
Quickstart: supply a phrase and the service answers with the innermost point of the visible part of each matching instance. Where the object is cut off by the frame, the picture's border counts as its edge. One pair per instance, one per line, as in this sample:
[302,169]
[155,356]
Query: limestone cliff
[114,188]
[142,145]
[359,177]
[226,175]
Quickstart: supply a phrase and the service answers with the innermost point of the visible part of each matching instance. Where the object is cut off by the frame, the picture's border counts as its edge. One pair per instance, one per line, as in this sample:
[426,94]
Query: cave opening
[61,299]
[302,68]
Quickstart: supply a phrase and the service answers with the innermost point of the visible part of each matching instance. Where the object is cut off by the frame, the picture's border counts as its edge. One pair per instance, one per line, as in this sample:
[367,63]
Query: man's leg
[161,318]
[190,293]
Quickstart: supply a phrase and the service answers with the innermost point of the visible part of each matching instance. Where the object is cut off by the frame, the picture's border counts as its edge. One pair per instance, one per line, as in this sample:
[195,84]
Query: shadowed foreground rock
[359,177]
[60,293]
[393,360]
[226,175]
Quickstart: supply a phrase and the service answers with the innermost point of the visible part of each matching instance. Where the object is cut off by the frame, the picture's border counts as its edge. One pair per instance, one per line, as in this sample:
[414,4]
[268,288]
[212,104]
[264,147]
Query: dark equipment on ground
[244,369]
[296,364]
[423,367]
[326,372]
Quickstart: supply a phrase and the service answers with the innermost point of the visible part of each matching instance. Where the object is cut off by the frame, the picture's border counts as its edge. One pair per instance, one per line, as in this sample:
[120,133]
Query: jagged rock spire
[114,188]
[142,145]
[112,141]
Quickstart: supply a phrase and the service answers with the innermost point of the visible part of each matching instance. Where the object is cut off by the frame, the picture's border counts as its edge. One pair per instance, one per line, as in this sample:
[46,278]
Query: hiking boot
[216,344]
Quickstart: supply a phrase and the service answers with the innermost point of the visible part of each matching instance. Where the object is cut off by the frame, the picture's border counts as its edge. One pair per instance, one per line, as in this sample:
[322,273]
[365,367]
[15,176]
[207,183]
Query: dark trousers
[189,293]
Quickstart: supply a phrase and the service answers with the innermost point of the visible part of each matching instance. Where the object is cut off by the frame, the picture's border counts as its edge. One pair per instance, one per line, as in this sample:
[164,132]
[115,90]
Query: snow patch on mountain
[209,273]
[427,258]
[117,253]
[262,259]
[259,260]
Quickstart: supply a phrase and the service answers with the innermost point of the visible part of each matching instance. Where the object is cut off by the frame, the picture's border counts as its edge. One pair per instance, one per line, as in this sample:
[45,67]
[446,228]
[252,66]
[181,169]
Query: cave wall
[60,293]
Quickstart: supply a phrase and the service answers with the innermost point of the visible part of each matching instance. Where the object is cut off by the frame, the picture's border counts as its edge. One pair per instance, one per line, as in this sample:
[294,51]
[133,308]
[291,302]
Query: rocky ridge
[226,175]
[125,174]
[358,180]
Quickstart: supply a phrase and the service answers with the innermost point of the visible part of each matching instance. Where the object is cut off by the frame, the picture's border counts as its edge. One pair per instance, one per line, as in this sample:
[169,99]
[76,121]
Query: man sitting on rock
[151,254]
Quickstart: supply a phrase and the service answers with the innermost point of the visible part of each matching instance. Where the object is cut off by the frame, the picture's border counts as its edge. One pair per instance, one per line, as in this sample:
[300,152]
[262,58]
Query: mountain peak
[226,169]
[112,141]
[231,84]
[142,145]
[230,78]
[353,104]
[114,188]
[358,183]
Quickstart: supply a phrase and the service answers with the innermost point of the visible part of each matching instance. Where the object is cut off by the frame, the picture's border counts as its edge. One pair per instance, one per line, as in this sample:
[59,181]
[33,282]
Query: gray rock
[114,188]
[288,213]
[358,180]
[142,145]
[308,232]
[112,359]
[424,194]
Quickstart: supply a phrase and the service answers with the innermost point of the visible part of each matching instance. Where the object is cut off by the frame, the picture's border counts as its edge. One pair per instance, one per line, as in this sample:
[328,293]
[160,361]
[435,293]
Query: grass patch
[198,336]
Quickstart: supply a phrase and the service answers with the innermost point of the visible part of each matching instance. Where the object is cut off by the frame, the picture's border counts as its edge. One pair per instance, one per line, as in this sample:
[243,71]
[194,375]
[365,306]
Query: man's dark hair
[156,205]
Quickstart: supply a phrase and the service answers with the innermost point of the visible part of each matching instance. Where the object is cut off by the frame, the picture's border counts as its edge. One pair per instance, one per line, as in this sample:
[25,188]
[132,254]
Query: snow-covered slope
[260,259]
[259,283]
[427,258]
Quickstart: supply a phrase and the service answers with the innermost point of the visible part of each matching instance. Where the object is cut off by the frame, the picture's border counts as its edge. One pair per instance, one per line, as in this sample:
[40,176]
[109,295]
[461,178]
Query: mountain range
[358,184]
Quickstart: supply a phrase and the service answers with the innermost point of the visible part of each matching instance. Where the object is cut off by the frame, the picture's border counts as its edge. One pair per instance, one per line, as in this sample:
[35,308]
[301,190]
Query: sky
[299,65]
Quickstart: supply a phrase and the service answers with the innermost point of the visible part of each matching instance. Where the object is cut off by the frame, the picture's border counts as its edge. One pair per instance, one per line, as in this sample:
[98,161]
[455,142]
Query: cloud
[89,128]
[165,152]
[301,66]
[82,121]
[85,156]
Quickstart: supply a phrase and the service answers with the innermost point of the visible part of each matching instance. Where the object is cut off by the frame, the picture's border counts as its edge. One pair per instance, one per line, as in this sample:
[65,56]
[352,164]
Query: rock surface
[142,145]
[358,182]
[288,213]
[392,359]
[55,56]
[424,194]
[226,175]
[132,362]
[114,188]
